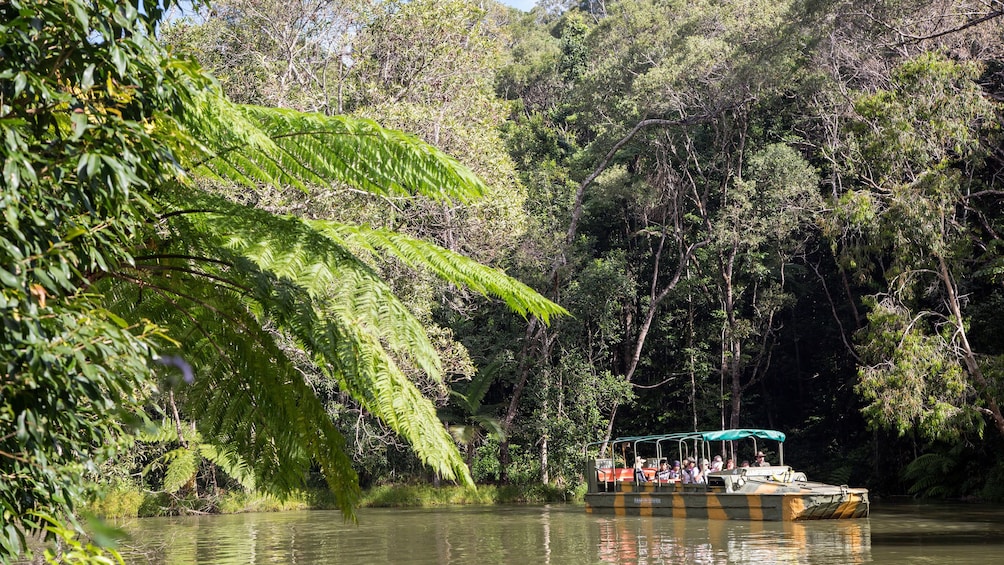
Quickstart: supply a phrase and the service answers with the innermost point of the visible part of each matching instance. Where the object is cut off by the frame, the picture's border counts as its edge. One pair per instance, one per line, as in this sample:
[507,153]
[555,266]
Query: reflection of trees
[556,534]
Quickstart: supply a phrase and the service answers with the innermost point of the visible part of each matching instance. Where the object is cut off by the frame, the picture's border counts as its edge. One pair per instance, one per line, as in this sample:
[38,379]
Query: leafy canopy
[114,260]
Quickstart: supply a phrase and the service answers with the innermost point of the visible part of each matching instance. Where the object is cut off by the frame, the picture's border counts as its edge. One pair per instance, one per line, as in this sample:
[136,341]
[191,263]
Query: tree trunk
[731,346]
[534,331]
[545,477]
[968,357]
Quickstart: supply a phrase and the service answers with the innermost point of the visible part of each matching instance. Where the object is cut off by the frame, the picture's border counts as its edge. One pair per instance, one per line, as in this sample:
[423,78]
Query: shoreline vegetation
[129,501]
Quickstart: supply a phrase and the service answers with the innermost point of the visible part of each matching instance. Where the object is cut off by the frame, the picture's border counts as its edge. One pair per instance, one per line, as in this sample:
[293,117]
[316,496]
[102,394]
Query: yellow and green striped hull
[759,500]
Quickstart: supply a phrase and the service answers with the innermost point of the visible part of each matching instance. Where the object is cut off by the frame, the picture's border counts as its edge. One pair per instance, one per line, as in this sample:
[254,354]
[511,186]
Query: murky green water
[560,534]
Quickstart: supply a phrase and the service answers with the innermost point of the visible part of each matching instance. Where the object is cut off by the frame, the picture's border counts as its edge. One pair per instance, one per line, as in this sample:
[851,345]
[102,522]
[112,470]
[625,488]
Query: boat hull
[678,502]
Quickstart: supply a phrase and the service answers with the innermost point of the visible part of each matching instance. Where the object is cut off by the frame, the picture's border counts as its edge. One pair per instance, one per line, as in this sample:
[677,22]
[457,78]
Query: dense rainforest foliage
[778,214]
[144,301]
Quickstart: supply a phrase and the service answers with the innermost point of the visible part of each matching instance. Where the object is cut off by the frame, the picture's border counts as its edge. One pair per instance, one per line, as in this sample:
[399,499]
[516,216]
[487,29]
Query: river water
[566,534]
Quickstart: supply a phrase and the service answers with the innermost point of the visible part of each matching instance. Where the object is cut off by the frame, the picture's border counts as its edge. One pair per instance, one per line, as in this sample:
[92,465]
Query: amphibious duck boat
[762,492]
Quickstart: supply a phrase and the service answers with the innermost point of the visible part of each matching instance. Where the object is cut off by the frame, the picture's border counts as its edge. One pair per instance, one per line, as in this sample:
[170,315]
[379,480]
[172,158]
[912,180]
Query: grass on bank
[129,501]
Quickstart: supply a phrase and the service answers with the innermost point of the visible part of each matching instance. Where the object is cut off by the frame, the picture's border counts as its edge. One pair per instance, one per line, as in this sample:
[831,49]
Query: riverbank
[128,501]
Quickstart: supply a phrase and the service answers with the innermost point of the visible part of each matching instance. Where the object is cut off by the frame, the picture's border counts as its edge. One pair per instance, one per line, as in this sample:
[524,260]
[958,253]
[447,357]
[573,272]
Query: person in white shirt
[702,475]
[663,474]
[690,473]
[716,463]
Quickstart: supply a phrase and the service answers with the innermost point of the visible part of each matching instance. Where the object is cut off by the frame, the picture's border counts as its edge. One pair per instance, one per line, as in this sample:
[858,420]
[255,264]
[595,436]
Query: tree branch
[966,25]
[580,193]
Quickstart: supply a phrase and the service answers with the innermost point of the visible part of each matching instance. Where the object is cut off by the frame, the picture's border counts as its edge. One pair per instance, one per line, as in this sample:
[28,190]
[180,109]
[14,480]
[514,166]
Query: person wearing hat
[639,473]
[716,463]
[760,461]
[675,474]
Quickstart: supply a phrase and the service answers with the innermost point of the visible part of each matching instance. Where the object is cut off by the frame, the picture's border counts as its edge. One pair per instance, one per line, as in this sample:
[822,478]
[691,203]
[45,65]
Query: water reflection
[566,534]
[647,540]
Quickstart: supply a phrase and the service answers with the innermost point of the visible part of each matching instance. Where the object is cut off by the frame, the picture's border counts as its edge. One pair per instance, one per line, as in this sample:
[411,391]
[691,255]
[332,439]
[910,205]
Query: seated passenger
[690,474]
[639,474]
[730,464]
[675,474]
[702,474]
[716,463]
[663,473]
[760,461]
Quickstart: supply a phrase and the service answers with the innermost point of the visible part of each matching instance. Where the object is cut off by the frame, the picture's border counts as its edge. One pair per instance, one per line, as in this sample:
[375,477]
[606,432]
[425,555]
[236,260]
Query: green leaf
[8,278]
[119,59]
[74,233]
[20,81]
[81,14]
[87,80]
[79,120]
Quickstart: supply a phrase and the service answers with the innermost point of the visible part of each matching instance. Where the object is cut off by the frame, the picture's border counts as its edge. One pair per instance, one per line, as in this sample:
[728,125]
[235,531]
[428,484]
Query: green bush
[524,469]
[117,500]
[425,496]
[237,502]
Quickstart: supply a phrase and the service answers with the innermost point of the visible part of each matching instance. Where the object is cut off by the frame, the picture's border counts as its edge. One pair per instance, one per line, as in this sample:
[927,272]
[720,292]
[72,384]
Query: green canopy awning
[730,435]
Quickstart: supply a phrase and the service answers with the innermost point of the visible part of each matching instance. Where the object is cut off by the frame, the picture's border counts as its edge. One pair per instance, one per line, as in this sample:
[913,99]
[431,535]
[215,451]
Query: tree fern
[449,266]
[301,277]
[936,475]
[110,254]
[253,145]
[334,305]
[182,464]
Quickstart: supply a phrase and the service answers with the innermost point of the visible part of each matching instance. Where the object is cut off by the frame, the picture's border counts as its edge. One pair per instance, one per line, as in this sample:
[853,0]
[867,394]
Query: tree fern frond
[391,397]
[359,152]
[490,423]
[230,462]
[935,474]
[449,266]
[294,251]
[347,351]
[243,143]
[182,463]
[162,433]
[477,388]
[247,396]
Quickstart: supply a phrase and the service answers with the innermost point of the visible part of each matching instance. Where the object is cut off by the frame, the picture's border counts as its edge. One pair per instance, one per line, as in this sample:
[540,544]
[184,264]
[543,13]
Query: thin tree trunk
[968,357]
[534,331]
[177,420]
